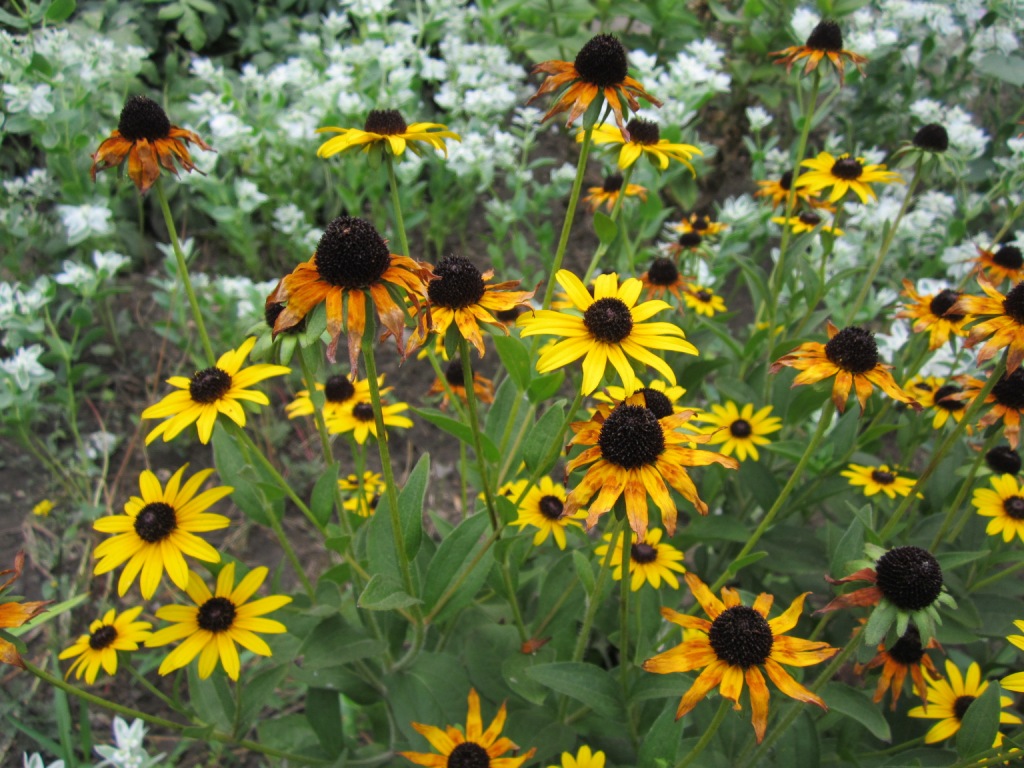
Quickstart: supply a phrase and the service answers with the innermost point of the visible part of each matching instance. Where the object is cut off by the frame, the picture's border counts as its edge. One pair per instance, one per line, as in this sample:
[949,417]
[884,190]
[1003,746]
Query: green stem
[593,601]
[709,733]
[120,709]
[570,213]
[996,577]
[823,423]
[396,203]
[167,700]
[179,257]
[602,248]
[474,426]
[965,487]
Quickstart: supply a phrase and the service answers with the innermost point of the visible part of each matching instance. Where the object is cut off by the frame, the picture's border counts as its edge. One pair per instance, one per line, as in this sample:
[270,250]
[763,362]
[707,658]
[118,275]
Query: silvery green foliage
[35,760]
[129,751]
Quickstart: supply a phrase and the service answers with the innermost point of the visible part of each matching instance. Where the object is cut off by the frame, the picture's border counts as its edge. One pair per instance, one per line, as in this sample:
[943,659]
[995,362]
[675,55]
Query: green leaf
[459,430]
[323,710]
[662,739]
[605,228]
[192,28]
[850,547]
[235,469]
[858,706]
[584,570]
[59,10]
[516,359]
[454,558]
[1007,68]
[586,683]
[951,560]
[544,387]
[321,648]
[980,723]
[211,698]
[878,624]
[257,692]
[737,565]
[321,504]
[410,505]
[539,441]
[382,593]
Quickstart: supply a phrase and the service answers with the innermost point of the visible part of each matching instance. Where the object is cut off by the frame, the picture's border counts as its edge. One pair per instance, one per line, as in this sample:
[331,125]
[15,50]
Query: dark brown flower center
[509,315]
[662,272]
[657,402]
[847,168]
[741,637]
[351,254]
[209,385]
[384,122]
[456,284]
[960,706]
[631,437]
[827,36]
[741,428]
[363,411]
[1009,257]
[1013,304]
[1014,507]
[453,373]
[216,615]
[143,118]
[690,239]
[608,320]
[909,577]
[551,507]
[908,649]
[468,754]
[273,310]
[643,553]
[612,183]
[1003,460]
[338,389]
[786,180]
[1009,390]
[943,398]
[102,637]
[704,296]
[602,62]
[810,218]
[932,138]
[853,349]
[643,131]
[155,522]
[882,477]
[942,302]
[700,222]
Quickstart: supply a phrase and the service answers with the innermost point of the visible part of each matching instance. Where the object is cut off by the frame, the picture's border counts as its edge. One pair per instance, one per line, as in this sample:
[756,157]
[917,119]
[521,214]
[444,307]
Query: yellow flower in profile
[15,614]
[1004,326]
[106,637]
[611,328]
[364,504]
[663,277]
[338,390]
[218,620]
[209,392]
[842,174]
[703,301]
[808,221]
[386,129]
[643,137]
[650,560]
[610,191]
[1015,682]
[43,508]
[1002,264]
[475,747]
[777,190]
[1007,399]
[931,313]
[158,529]
[357,417]
[948,701]
[880,479]
[740,431]
[904,657]
[733,647]
[583,759]
[1004,503]
[824,42]
[700,224]
[543,508]
[455,379]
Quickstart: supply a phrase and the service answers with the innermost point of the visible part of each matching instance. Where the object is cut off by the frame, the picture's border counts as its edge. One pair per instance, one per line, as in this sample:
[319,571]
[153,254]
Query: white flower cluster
[87,281]
[129,751]
[20,317]
[85,221]
[966,140]
[685,83]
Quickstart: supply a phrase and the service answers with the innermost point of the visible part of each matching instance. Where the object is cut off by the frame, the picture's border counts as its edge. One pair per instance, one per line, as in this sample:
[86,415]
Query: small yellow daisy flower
[106,637]
[703,301]
[1004,503]
[740,431]
[543,508]
[650,560]
[842,174]
[386,129]
[880,479]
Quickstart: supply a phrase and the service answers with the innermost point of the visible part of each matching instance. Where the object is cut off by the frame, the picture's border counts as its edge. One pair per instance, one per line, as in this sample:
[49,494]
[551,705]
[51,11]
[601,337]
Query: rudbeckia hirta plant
[210,628]
[338,391]
[219,389]
[663,277]
[1001,264]
[357,417]
[949,699]
[472,747]
[610,191]
[543,507]
[14,614]
[643,137]
[1001,323]
[585,758]
[455,380]
[905,656]
[878,479]
[739,431]
[108,635]
[1004,503]
[806,222]
[734,646]
[824,42]
[386,129]
[612,327]
[843,174]
[651,560]
[931,312]
[159,529]
[703,301]
[362,503]
[1007,399]
[147,139]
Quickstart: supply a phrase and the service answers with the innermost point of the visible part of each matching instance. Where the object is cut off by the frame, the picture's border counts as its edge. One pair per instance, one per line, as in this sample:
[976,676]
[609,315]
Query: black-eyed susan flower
[601,68]
[158,530]
[1004,503]
[906,656]
[108,635]
[455,377]
[217,621]
[1003,460]
[472,748]
[661,398]
[1004,263]
[932,137]
[643,137]
[1004,328]
[777,190]
[352,272]
[543,507]
[907,586]
[663,277]
[740,431]
[632,451]
[147,139]
[610,191]
[808,221]
[687,242]
[703,301]
[209,392]
[338,390]
[385,129]
[585,758]
[1007,400]
[824,42]
[734,646]
[949,699]
[851,355]
[651,560]
[459,293]
[14,614]
[880,479]
[700,223]
[945,398]
[842,174]
[363,504]
[931,312]
[612,327]
[357,417]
